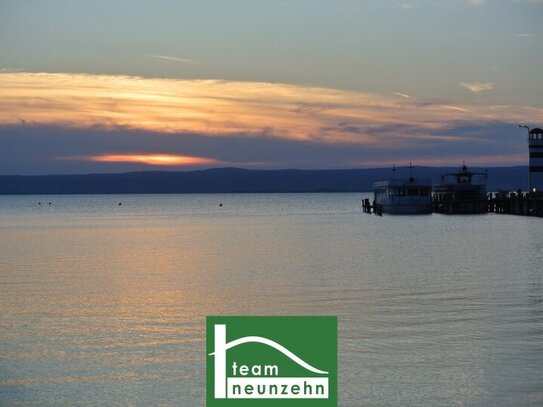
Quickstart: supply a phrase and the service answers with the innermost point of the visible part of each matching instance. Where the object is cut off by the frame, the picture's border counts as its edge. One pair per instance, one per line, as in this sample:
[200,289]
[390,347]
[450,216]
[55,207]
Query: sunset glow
[154,159]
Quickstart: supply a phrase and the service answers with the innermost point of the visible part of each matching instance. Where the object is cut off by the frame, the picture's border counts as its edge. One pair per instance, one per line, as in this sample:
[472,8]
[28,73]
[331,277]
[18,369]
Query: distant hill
[236,180]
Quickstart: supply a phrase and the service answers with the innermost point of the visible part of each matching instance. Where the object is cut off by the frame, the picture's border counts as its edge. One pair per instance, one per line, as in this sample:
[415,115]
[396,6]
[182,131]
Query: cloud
[408,5]
[404,95]
[224,108]
[460,109]
[110,123]
[175,59]
[477,87]
[524,35]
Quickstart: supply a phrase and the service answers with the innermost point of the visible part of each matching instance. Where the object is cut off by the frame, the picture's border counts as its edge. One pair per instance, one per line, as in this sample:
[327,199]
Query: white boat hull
[407,209]
[398,196]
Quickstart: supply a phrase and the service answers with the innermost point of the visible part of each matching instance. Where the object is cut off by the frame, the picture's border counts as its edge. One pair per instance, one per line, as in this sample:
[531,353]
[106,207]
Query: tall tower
[535,142]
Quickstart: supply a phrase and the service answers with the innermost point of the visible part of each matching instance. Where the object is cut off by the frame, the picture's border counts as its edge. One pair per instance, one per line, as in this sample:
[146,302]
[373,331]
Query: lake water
[105,304]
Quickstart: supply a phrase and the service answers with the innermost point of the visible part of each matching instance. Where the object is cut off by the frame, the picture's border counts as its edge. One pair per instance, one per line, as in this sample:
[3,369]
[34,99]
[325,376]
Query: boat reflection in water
[464,193]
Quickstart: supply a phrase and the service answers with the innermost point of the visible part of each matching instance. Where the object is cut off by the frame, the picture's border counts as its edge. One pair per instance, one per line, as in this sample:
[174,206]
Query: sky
[130,85]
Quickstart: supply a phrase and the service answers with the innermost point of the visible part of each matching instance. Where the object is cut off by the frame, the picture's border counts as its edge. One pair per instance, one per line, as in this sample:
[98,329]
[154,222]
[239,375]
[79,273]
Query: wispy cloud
[477,87]
[524,35]
[171,58]
[110,120]
[408,5]
[460,109]
[216,107]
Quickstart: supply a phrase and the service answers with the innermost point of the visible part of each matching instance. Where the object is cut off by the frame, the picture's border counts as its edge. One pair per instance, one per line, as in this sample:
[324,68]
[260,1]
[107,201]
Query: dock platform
[509,203]
[515,203]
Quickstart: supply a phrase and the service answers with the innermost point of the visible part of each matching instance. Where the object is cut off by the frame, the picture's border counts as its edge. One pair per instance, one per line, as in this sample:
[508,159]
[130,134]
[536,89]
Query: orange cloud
[223,108]
[153,159]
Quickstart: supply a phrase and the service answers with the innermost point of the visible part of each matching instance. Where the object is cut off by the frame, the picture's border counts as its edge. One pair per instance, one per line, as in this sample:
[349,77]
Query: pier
[369,207]
[515,203]
[508,203]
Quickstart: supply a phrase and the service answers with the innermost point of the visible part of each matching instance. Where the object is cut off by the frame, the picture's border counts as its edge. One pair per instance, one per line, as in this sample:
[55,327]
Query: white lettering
[277,387]
[255,370]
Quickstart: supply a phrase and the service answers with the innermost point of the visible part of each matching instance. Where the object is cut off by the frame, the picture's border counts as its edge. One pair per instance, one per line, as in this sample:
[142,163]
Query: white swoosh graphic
[275,345]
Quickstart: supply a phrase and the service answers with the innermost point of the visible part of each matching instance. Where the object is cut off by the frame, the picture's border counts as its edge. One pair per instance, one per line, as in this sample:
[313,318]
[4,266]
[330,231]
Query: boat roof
[404,182]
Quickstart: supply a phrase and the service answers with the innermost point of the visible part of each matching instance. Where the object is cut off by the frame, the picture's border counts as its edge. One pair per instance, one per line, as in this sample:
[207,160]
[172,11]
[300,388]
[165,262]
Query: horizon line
[262,170]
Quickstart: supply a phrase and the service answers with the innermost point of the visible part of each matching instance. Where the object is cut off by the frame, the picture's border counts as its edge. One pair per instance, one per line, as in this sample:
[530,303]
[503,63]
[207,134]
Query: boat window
[424,191]
[412,191]
[380,191]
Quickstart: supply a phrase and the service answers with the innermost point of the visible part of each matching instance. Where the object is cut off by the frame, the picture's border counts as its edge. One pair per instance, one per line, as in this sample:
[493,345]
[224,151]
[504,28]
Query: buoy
[120,204]
[220,204]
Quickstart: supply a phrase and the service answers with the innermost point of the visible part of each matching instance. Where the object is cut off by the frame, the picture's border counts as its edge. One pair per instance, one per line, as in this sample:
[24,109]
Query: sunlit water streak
[105,304]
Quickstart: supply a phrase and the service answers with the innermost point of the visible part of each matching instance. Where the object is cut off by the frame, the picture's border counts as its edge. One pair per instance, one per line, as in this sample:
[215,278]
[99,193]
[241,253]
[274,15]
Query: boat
[403,196]
[462,192]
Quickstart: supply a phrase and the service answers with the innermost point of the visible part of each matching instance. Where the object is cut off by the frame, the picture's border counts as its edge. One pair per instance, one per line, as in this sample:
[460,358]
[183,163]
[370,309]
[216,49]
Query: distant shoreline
[239,181]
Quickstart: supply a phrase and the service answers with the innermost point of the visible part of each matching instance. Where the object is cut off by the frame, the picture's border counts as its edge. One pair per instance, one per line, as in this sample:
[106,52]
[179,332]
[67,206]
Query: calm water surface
[102,304]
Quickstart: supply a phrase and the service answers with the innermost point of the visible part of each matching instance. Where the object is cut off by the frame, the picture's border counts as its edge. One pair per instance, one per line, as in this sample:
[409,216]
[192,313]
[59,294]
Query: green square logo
[271,361]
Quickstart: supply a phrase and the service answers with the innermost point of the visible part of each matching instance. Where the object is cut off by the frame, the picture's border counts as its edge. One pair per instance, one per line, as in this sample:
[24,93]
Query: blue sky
[383,67]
